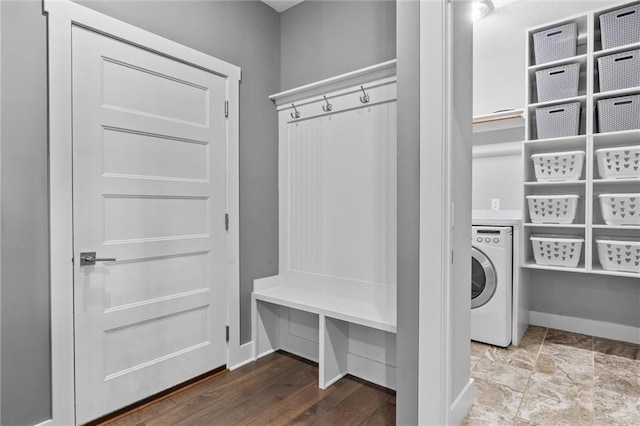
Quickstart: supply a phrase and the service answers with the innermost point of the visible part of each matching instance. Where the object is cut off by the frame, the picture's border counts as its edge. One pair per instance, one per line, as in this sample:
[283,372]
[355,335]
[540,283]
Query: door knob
[89,258]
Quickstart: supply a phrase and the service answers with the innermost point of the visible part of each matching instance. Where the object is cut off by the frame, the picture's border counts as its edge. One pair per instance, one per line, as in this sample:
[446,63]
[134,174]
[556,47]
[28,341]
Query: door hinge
[227,333]
[226,109]
[226,221]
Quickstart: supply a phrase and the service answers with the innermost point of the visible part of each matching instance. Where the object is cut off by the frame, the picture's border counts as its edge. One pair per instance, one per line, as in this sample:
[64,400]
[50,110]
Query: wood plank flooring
[279,389]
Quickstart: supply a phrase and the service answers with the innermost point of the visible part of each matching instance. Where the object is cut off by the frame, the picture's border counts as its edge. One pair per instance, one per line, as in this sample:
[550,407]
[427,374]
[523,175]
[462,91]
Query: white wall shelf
[581,59]
[589,223]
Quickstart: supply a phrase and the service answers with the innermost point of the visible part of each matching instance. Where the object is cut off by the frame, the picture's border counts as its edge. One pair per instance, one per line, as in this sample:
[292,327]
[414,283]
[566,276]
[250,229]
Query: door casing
[62,16]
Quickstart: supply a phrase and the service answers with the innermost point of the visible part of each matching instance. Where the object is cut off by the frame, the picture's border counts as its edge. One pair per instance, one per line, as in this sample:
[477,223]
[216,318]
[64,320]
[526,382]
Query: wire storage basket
[558,121]
[619,163]
[558,166]
[557,209]
[620,209]
[555,43]
[618,114]
[557,250]
[558,82]
[619,254]
[619,71]
[620,27]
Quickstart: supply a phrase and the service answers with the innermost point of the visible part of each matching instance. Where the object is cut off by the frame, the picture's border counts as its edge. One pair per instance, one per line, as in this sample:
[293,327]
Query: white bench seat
[337,303]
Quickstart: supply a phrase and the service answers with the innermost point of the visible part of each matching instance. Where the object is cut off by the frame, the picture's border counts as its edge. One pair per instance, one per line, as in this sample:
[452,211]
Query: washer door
[483,278]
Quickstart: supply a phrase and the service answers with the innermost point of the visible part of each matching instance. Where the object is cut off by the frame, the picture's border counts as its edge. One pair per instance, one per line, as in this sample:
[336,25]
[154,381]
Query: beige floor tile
[518,421]
[534,333]
[615,348]
[611,408]
[562,388]
[502,399]
[482,415]
[478,349]
[552,411]
[574,365]
[617,374]
[568,340]
[508,375]
[522,357]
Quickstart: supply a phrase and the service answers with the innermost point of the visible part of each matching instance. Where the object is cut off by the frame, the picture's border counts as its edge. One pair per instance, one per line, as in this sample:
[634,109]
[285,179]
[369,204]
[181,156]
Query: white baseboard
[462,404]
[372,371]
[45,423]
[607,330]
[265,353]
[245,356]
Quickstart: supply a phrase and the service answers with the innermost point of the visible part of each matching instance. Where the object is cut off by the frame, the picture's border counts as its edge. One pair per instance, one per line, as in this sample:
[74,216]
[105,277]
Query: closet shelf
[615,181]
[630,137]
[533,265]
[582,99]
[569,142]
[555,225]
[582,59]
[498,121]
[615,227]
[614,93]
[557,183]
[611,51]
[598,270]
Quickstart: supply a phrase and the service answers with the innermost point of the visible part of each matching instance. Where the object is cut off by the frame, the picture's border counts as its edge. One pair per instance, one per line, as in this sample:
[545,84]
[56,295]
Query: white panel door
[149,147]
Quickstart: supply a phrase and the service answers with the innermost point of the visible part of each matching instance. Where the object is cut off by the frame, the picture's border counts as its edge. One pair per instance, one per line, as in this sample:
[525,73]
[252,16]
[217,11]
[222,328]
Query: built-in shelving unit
[588,223]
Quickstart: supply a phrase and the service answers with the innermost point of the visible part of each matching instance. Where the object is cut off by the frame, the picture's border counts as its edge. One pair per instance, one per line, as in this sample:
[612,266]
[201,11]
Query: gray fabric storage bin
[558,121]
[619,71]
[617,114]
[555,43]
[558,82]
[620,27]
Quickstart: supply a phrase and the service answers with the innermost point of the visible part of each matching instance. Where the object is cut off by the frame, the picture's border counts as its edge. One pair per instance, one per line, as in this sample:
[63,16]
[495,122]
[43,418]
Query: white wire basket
[552,208]
[555,43]
[558,82]
[620,27]
[557,250]
[619,163]
[619,254]
[620,209]
[558,121]
[558,166]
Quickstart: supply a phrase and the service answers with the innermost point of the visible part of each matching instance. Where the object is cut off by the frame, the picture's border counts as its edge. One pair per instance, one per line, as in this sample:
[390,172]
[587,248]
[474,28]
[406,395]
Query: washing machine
[491,284]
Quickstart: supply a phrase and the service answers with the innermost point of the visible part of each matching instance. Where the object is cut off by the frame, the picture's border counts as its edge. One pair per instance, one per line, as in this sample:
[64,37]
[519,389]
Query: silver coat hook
[364,98]
[295,114]
[328,107]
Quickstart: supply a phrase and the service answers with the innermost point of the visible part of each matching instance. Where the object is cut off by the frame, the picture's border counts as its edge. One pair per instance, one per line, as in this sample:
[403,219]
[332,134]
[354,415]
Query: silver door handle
[89,258]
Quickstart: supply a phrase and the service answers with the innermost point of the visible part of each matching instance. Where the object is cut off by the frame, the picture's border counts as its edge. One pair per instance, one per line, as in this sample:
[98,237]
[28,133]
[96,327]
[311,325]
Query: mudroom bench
[347,326]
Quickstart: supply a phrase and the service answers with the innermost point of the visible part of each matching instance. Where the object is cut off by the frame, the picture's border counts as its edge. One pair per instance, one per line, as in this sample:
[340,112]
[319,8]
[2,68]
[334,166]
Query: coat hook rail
[295,114]
[365,97]
[328,107]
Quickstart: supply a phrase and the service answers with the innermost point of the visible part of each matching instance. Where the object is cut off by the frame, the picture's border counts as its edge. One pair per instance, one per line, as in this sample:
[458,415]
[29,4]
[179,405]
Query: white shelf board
[598,270]
[531,265]
[617,49]
[631,137]
[557,183]
[555,225]
[581,59]
[616,93]
[615,181]
[582,99]
[568,142]
[502,120]
[617,227]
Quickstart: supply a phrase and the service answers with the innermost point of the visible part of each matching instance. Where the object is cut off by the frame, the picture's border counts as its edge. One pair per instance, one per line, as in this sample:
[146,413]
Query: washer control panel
[491,236]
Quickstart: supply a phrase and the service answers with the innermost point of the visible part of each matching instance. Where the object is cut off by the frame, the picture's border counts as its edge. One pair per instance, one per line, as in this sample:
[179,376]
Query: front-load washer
[491,284]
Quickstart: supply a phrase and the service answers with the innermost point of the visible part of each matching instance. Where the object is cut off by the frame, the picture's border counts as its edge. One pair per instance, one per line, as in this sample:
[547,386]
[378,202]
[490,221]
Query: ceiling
[281,5]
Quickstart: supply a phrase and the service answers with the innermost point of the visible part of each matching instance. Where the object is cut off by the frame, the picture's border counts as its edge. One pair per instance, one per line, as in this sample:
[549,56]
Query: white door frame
[62,16]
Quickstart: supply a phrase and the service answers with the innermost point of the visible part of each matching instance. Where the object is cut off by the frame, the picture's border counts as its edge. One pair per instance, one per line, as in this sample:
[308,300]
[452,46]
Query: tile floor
[556,378]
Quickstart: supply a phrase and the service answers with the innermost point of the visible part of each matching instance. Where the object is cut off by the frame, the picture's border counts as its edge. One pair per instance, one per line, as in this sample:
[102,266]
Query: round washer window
[483,278]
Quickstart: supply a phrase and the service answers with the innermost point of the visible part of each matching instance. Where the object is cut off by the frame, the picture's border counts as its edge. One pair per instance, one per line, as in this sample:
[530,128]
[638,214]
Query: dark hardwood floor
[279,389]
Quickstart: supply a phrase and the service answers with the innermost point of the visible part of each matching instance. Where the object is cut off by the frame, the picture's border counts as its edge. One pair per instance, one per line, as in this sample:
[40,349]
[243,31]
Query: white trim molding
[606,330]
[461,404]
[62,16]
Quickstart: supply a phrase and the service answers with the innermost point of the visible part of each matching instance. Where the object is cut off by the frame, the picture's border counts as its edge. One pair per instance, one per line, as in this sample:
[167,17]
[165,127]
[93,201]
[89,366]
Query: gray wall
[324,38]
[25,283]
[245,33]
[408,47]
